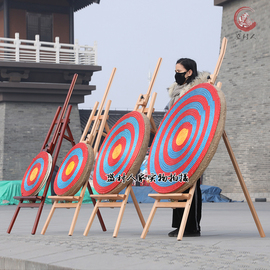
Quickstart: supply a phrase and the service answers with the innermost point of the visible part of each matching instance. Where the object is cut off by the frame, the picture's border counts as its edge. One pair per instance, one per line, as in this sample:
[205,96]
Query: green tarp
[9,189]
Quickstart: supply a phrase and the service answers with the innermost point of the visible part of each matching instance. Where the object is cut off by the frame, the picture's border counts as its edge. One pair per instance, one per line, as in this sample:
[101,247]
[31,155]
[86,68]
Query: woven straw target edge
[49,167]
[140,157]
[85,174]
[213,146]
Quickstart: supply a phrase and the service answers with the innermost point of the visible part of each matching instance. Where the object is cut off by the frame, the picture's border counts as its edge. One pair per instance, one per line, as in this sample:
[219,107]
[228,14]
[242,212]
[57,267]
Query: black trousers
[194,217]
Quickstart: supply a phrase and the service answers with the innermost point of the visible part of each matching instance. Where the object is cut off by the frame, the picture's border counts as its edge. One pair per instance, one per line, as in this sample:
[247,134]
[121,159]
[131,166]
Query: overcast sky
[132,34]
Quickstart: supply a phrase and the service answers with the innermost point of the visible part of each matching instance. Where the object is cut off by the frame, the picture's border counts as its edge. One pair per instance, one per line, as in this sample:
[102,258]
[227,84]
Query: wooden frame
[243,184]
[76,201]
[62,125]
[97,131]
[172,204]
[112,204]
[141,107]
[189,196]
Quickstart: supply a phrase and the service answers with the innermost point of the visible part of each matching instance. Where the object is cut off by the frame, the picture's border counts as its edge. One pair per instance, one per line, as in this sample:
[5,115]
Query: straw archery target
[122,153]
[187,139]
[74,170]
[37,174]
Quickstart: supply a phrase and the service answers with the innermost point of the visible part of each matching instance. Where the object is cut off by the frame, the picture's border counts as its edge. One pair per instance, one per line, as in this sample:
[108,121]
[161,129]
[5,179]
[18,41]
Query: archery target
[187,139]
[36,174]
[74,170]
[122,153]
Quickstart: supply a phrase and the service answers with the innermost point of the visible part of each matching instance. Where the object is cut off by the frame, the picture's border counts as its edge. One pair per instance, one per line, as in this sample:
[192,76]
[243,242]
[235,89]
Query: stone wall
[2,129]
[23,129]
[245,77]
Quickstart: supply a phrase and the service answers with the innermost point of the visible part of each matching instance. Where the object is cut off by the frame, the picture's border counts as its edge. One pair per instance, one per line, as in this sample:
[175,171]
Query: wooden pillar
[71,23]
[6,19]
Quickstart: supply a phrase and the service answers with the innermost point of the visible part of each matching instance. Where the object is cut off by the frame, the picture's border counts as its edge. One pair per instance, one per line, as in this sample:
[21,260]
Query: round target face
[37,174]
[74,170]
[184,137]
[122,153]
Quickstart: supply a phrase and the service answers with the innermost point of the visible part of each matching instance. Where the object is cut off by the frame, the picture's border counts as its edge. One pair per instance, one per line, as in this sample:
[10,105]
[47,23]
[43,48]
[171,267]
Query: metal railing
[22,50]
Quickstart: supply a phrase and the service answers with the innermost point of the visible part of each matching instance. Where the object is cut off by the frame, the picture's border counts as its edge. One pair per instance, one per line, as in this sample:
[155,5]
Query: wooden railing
[22,50]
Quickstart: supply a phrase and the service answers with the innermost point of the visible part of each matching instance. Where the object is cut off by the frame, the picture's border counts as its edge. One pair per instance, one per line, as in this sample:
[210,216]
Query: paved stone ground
[229,240]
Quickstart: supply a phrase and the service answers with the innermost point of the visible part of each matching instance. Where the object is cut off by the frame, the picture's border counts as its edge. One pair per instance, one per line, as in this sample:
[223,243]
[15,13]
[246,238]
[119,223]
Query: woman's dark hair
[189,64]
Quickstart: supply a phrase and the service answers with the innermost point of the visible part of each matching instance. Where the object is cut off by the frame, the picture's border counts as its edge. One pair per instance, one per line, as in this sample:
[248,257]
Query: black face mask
[180,78]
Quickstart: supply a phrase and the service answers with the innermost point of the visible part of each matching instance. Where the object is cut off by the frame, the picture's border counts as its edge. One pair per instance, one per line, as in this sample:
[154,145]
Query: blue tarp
[213,194]
[9,189]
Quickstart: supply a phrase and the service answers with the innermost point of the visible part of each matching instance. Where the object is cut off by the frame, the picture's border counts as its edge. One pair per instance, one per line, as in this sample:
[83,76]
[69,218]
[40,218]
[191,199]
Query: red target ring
[37,174]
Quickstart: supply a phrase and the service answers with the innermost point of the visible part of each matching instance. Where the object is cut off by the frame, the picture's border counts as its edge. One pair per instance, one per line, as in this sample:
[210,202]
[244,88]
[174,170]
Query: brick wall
[23,128]
[2,121]
[245,77]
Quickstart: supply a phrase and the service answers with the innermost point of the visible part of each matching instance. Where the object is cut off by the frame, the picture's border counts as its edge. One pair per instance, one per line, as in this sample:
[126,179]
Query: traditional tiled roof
[79,4]
[115,115]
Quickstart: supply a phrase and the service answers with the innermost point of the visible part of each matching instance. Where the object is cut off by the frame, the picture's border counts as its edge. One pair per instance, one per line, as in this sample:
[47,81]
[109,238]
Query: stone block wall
[245,77]
[23,129]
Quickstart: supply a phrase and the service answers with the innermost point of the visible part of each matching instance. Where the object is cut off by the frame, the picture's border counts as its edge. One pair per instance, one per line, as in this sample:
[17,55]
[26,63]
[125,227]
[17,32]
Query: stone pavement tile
[61,256]
[2,262]
[14,264]
[115,261]
[31,251]
[229,240]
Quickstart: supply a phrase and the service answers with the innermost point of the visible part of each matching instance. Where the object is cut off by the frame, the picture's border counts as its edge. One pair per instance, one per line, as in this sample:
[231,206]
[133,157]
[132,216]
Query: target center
[33,174]
[117,150]
[181,137]
[70,167]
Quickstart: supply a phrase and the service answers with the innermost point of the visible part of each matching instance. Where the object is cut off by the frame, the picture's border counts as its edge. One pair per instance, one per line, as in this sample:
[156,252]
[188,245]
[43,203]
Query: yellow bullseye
[116,152]
[181,137]
[33,174]
[70,167]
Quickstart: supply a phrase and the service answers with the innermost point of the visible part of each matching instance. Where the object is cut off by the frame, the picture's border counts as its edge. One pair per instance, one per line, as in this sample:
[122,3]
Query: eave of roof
[220,2]
[79,4]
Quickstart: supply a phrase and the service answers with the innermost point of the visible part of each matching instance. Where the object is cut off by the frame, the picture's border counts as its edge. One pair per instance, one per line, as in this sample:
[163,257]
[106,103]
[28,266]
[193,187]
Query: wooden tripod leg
[98,212]
[91,219]
[186,213]
[49,218]
[219,62]
[75,217]
[121,212]
[243,185]
[14,217]
[41,204]
[137,207]
[149,220]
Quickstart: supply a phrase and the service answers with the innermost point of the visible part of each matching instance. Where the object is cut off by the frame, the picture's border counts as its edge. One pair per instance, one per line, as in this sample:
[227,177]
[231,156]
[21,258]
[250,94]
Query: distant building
[245,77]
[38,58]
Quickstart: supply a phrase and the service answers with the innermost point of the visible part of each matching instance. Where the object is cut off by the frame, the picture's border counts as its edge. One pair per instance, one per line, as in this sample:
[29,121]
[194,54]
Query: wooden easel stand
[76,201]
[61,126]
[100,122]
[243,185]
[175,197]
[189,196]
[33,199]
[112,204]
[140,107]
